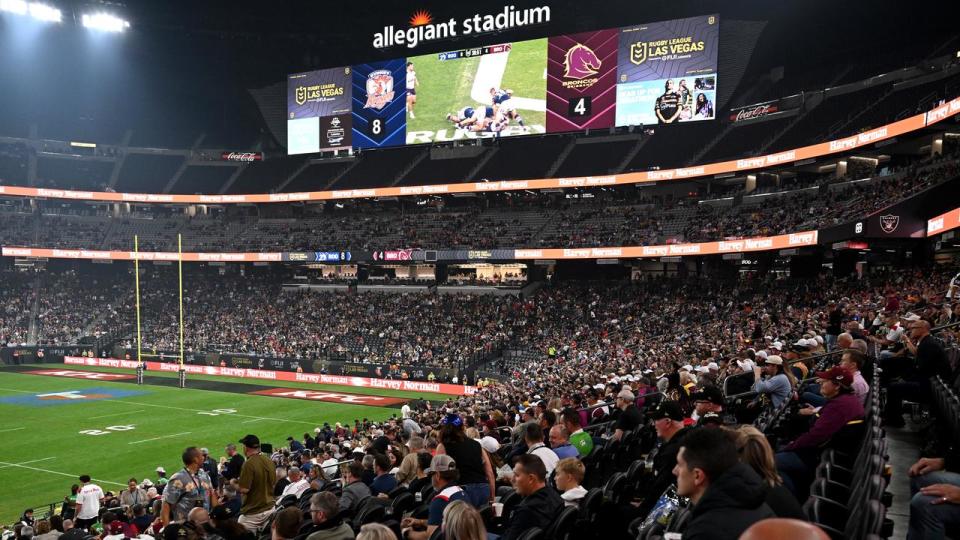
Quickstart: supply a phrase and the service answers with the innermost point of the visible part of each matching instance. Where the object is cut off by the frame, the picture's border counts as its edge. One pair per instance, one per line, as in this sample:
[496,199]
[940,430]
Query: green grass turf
[261,382]
[49,437]
[445,85]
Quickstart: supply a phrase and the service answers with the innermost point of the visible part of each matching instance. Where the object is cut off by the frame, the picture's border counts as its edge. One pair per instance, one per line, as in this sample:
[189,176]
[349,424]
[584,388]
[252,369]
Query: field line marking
[116,414]
[163,437]
[15,390]
[12,429]
[31,461]
[48,471]
[254,420]
[203,410]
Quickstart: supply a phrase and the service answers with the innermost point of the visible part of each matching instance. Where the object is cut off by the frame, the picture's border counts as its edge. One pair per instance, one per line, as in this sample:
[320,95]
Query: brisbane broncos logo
[581,62]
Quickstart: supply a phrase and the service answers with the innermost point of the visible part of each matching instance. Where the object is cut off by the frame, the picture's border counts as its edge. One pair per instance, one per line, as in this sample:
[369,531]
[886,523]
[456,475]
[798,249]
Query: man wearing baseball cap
[777,384]
[708,400]
[843,408]
[444,475]
[668,420]
[257,478]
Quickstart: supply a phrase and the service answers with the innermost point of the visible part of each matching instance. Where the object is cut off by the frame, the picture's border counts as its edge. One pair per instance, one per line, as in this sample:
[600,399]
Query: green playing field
[58,428]
[446,86]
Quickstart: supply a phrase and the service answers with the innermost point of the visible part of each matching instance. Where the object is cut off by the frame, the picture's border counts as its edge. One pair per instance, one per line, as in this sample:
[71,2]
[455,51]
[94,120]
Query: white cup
[498,509]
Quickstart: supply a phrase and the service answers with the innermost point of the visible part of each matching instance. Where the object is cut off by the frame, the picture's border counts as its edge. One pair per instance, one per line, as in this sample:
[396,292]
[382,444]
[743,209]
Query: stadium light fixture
[43,12]
[104,22]
[14,6]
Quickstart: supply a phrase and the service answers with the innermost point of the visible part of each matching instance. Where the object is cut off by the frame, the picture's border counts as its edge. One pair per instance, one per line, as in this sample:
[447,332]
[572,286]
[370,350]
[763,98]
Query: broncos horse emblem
[581,62]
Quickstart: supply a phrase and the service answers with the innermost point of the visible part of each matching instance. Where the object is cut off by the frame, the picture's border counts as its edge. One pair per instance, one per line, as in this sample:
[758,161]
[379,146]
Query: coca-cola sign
[242,156]
[753,111]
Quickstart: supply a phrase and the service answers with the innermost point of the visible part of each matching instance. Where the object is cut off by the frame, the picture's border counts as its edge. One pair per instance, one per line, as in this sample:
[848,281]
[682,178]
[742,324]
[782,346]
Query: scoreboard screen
[656,73]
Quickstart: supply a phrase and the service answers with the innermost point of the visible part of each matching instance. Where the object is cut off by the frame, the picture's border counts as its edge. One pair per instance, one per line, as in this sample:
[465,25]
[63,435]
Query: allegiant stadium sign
[423,28]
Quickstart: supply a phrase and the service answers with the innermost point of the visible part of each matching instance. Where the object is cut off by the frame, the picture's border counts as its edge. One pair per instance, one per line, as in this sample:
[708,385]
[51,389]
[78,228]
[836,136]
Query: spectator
[776,383]
[444,477]
[727,496]
[422,479]
[257,477]
[298,483]
[533,438]
[210,467]
[286,524]
[88,503]
[708,400]
[630,417]
[798,459]
[935,502]
[384,482]
[134,494]
[225,523]
[376,531]
[560,443]
[930,361]
[473,465]
[580,439]
[355,491]
[671,431]
[327,520]
[234,464]
[187,489]
[408,465]
[540,505]
[462,522]
[569,475]
[755,451]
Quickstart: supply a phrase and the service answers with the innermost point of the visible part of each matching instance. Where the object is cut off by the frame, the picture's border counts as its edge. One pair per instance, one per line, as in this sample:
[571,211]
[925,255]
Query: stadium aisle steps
[902,449]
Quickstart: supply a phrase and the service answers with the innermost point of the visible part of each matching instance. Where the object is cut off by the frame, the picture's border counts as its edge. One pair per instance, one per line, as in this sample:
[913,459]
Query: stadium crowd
[617,217]
[612,359]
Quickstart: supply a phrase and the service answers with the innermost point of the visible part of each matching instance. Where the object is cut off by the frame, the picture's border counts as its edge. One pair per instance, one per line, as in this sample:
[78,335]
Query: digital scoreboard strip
[655,73]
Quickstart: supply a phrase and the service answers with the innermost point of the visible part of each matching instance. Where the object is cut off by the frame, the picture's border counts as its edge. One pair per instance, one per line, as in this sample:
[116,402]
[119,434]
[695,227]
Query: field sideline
[131,429]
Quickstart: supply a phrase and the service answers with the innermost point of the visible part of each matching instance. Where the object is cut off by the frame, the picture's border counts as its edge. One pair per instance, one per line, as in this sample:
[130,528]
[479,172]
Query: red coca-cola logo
[754,112]
[242,156]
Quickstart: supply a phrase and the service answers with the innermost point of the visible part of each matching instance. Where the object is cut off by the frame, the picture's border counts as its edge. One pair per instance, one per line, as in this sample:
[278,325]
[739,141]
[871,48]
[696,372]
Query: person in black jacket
[755,451]
[541,504]
[668,421]
[930,361]
[727,496]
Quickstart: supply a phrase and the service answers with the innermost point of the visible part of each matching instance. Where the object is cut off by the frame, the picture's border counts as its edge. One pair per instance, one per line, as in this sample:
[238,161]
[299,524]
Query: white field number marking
[107,430]
[217,412]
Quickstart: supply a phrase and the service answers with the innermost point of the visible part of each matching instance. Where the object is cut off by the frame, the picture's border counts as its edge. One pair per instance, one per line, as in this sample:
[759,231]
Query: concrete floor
[904,446]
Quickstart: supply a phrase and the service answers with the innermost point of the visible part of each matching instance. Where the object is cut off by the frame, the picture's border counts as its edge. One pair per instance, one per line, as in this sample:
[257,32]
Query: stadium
[526,270]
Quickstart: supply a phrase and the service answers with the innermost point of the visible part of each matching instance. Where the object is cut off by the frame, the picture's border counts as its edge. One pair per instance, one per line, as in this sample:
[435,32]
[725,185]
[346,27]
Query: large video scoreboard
[656,73]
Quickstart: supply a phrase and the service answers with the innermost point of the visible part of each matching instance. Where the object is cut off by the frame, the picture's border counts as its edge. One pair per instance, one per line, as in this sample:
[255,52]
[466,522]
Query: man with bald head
[930,360]
[844,341]
[784,529]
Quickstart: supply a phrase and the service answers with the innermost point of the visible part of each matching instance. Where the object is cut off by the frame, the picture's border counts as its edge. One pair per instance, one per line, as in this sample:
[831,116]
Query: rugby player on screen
[463,117]
[412,84]
[500,99]
[667,106]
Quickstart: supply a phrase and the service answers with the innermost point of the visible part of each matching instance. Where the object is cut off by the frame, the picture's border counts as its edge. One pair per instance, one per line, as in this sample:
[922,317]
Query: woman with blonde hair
[756,452]
[462,522]
[376,531]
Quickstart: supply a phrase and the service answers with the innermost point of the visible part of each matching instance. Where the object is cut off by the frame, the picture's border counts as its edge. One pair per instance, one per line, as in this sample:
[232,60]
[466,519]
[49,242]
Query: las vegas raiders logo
[889,223]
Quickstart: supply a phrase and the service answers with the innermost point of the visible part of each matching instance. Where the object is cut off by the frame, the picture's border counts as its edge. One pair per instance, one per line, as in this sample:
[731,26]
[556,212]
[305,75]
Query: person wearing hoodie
[727,495]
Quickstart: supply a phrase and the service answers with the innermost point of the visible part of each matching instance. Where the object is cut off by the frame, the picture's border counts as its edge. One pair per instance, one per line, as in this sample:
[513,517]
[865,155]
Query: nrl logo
[889,223]
[638,53]
[301,95]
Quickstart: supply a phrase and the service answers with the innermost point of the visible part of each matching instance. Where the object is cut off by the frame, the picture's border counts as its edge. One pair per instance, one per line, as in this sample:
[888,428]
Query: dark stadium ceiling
[187,65]
[296,35]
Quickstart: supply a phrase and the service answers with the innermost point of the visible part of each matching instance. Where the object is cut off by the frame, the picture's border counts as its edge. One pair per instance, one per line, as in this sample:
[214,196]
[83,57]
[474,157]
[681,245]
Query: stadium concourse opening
[538,270]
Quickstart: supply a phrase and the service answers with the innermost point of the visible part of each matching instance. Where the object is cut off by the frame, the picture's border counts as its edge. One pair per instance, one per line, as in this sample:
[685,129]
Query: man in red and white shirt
[88,503]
